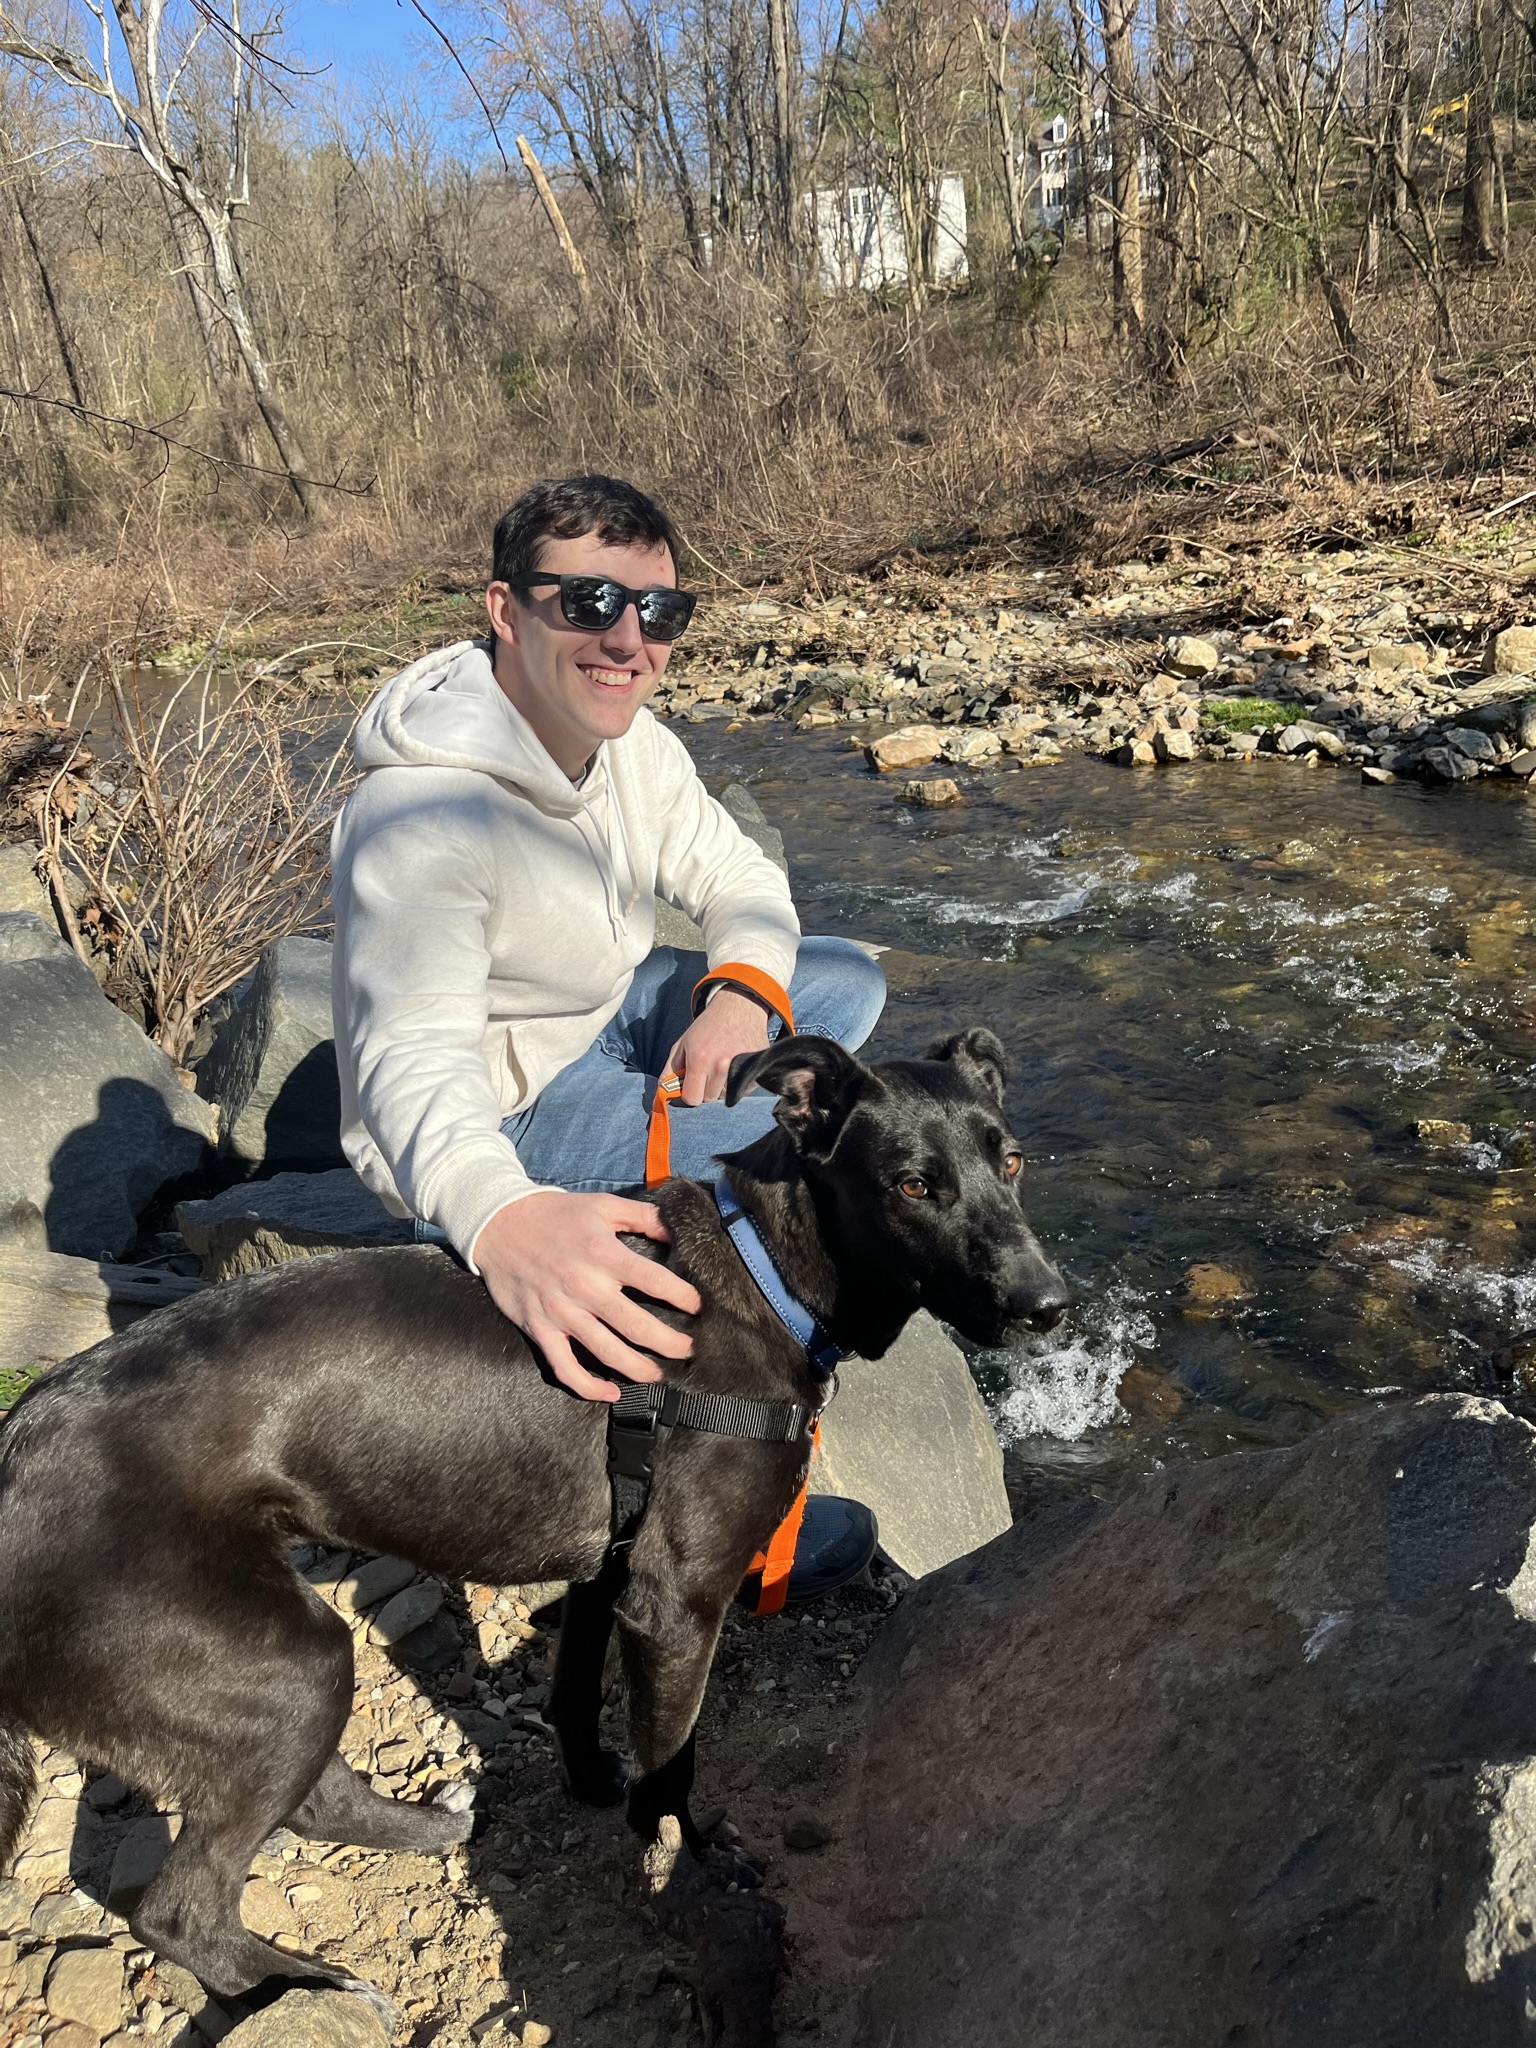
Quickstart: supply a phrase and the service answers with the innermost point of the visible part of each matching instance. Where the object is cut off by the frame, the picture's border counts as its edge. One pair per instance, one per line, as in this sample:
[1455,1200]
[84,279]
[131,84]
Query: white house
[861,244]
[1058,168]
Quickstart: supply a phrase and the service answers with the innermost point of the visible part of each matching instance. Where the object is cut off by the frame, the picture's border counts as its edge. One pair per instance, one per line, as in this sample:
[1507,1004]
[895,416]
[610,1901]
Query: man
[501,1015]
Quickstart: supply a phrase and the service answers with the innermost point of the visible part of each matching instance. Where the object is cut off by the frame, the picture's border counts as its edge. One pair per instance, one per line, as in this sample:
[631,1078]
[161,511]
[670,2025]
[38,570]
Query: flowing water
[1229,995]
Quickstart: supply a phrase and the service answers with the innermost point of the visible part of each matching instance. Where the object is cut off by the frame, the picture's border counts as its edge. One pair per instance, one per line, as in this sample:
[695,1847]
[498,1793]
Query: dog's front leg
[592,1774]
[667,1635]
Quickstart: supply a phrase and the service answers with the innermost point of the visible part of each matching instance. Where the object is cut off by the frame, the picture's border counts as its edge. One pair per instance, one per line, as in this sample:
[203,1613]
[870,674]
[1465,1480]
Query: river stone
[291,1216]
[933,790]
[93,1120]
[272,1069]
[405,1612]
[1136,754]
[1391,657]
[1469,740]
[1306,733]
[1524,763]
[1173,746]
[86,1984]
[311,2019]
[1245,1757]
[1448,764]
[909,746]
[20,888]
[1512,652]
[374,1581]
[909,1436]
[1188,655]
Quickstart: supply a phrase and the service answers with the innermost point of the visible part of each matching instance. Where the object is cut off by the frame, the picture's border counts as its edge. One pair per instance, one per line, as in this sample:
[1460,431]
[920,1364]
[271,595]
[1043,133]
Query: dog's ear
[979,1056]
[815,1080]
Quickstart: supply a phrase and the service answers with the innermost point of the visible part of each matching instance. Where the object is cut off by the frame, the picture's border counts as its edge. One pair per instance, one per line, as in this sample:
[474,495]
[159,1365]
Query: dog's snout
[1041,1301]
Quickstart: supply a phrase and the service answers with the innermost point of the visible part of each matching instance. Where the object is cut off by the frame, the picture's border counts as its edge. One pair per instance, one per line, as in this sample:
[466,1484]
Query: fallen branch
[112,419]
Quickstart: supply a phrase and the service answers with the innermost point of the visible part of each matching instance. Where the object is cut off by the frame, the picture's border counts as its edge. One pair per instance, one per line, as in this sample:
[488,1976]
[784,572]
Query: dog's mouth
[1027,1310]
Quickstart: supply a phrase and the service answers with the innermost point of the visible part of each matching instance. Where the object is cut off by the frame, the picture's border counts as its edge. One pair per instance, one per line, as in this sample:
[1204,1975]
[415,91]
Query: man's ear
[979,1056]
[816,1081]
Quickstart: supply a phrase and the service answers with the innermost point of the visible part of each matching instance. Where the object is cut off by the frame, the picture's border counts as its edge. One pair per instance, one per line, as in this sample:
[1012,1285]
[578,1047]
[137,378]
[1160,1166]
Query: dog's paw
[601,1781]
[455,1798]
[370,1994]
[729,1864]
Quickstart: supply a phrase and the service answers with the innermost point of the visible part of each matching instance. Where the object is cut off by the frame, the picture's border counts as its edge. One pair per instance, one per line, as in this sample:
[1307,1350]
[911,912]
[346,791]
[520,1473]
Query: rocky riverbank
[1352,658]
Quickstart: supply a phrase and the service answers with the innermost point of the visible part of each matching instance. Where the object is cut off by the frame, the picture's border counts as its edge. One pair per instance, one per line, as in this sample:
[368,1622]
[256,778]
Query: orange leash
[658,1136]
[776,1561]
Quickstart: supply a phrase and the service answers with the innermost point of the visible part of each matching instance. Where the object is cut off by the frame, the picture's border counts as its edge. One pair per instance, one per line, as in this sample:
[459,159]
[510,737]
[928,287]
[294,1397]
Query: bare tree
[204,175]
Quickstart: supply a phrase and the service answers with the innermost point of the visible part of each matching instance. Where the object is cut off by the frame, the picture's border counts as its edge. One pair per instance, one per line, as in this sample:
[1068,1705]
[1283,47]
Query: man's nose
[624,635]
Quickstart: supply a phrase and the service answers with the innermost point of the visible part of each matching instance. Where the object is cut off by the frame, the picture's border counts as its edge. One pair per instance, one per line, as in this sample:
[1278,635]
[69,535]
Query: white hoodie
[490,916]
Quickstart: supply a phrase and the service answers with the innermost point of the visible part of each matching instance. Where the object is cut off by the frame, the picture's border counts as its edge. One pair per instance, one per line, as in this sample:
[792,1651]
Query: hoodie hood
[448,711]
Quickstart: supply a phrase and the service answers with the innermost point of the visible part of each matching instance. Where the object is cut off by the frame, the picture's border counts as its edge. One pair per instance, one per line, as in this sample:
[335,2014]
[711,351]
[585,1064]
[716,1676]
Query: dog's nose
[1041,1302]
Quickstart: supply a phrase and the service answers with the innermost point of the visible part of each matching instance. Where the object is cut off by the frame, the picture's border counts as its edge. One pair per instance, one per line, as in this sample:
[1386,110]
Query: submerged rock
[1248,1756]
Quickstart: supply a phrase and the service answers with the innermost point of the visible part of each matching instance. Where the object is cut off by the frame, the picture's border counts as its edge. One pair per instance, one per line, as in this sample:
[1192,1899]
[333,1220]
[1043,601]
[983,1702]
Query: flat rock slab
[291,1216]
[52,1306]
[93,1120]
[1249,1756]
[311,2019]
[272,1069]
[909,1435]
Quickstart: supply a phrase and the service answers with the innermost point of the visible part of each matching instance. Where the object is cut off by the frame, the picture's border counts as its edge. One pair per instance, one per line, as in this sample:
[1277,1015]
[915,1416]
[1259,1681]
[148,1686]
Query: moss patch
[1245,714]
[14,1382]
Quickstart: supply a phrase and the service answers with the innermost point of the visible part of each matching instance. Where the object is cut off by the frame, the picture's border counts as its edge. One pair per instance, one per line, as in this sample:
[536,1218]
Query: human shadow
[105,1173]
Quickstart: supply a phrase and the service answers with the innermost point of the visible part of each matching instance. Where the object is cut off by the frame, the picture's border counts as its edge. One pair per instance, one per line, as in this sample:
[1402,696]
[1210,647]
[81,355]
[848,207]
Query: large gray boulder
[93,1119]
[909,1436]
[52,1306]
[20,888]
[292,1216]
[1250,1756]
[672,927]
[272,1069]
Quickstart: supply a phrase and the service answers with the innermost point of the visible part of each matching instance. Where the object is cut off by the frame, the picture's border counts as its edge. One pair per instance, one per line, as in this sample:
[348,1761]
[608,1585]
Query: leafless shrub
[205,837]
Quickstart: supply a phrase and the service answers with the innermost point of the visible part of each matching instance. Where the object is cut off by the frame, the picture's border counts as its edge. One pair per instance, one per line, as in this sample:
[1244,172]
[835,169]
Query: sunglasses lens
[591,602]
[664,613]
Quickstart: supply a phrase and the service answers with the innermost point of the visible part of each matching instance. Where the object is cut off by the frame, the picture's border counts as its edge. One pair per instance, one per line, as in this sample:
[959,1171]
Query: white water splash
[1511,1296]
[1065,1383]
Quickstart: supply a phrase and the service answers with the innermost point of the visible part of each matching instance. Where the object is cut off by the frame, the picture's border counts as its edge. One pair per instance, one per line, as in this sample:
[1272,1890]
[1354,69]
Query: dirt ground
[533,1932]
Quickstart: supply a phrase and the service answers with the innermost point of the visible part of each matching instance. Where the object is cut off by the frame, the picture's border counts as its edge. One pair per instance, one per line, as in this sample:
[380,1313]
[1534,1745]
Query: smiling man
[502,1012]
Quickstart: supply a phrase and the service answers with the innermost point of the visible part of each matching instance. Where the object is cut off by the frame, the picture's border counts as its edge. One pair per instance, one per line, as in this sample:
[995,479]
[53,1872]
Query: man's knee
[838,988]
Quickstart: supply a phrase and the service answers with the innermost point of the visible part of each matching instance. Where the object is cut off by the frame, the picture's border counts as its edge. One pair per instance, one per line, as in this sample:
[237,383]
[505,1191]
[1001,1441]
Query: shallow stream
[1229,995]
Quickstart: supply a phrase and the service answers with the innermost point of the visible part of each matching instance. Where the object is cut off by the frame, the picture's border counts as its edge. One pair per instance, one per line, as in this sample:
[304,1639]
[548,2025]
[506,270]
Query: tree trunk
[55,317]
[1479,241]
[783,53]
[1124,168]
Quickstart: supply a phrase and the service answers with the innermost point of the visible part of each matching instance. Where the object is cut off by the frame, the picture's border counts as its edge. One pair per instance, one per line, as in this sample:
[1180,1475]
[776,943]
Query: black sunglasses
[594,603]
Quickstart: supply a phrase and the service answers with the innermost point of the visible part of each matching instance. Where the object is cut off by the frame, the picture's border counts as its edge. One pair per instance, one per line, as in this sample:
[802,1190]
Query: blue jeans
[586,1132]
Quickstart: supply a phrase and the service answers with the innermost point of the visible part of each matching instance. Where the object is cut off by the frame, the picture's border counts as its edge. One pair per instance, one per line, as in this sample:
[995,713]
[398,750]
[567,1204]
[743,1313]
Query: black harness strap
[646,1407]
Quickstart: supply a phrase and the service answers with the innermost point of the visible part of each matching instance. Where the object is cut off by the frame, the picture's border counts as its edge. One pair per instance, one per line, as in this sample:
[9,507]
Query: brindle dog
[151,1489]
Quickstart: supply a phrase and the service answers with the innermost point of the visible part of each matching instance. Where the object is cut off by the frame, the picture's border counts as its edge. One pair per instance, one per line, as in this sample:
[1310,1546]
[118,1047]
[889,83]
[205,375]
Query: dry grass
[802,437]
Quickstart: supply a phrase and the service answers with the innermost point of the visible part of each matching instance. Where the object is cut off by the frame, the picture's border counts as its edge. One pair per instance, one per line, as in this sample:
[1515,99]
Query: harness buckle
[632,1444]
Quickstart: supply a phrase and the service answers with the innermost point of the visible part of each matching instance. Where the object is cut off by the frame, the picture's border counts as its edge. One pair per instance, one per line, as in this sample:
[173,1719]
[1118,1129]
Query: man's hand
[555,1267]
[727,1025]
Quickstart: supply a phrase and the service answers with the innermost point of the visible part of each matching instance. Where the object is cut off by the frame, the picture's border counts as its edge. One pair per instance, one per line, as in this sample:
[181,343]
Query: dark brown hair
[566,508]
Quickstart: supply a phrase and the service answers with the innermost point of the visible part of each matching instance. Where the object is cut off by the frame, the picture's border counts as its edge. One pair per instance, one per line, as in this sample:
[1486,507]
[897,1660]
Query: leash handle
[658,1135]
[776,1562]
[754,982]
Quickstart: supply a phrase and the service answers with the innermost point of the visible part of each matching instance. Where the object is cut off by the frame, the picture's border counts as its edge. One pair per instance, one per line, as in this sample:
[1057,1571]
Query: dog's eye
[914,1188]
[1013,1164]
